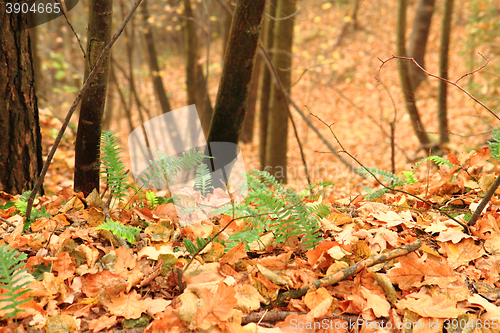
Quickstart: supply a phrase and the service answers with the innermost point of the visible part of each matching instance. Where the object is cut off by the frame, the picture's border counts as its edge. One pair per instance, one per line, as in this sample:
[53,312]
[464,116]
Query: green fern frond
[151,199]
[495,144]
[203,180]
[11,276]
[119,230]
[168,166]
[438,160]
[279,209]
[112,165]
[387,176]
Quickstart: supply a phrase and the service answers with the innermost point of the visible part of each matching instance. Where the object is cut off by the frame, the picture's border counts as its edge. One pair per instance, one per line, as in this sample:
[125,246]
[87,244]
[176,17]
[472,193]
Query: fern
[112,165]
[438,160]
[22,205]
[119,230]
[11,277]
[203,180]
[495,144]
[168,166]
[278,209]
[152,199]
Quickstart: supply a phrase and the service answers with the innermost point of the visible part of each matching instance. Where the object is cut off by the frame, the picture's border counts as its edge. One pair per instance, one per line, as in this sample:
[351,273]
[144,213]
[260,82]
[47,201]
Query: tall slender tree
[231,101]
[443,72]
[93,101]
[404,75]
[20,139]
[265,83]
[277,130]
[418,40]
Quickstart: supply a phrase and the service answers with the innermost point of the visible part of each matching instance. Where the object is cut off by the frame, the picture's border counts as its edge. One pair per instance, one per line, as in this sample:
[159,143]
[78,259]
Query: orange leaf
[129,306]
[216,307]
[101,323]
[234,254]
[64,265]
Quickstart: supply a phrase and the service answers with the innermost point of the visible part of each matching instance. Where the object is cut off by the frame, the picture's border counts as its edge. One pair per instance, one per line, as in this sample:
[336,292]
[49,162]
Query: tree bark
[418,40]
[443,72]
[249,123]
[265,84]
[231,102]
[195,79]
[404,76]
[277,131]
[88,136]
[20,138]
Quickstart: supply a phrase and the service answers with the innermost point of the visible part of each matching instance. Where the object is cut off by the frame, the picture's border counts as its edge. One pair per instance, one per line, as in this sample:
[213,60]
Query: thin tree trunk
[443,72]
[231,102]
[249,123]
[173,129]
[277,131]
[406,85]
[265,84]
[90,122]
[20,139]
[195,79]
[418,40]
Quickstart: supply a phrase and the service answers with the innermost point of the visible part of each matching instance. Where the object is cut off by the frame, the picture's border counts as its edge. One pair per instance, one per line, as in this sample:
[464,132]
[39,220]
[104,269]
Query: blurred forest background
[337,50]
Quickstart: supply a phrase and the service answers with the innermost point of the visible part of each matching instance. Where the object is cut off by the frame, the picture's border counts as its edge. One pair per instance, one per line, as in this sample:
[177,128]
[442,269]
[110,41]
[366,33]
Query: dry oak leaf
[156,305]
[95,284]
[129,306]
[412,271]
[453,234]
[248,298]
[60,323]
[125,261]
[377,304]
[102,322]
[436,306]
[216,307]
[492,244]
[462,253]
[319,302]
[64,265]
[236,253]
[167,321]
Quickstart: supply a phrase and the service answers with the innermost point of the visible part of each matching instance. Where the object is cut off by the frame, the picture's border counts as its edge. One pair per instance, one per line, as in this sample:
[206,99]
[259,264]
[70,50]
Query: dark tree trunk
[404,76]
[277,131]
[265,84]
[249,123]
[443,72]
[20,139]
[418,40]
[90,123]
[231,102]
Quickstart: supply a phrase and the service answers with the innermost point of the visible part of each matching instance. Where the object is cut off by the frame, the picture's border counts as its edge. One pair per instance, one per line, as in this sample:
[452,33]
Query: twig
[7,222]
[84,88]
[466,228]
[443,79]
[483,202]
[349,271]
[71,26]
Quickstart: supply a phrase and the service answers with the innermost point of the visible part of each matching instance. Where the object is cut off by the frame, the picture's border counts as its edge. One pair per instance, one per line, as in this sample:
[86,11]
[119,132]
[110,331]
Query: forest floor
[404,259]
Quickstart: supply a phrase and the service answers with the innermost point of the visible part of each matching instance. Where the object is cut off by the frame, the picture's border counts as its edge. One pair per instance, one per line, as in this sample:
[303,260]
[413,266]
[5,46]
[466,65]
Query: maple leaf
[412,271]
[129,306]
[216,307]
[436,306]
[64,265]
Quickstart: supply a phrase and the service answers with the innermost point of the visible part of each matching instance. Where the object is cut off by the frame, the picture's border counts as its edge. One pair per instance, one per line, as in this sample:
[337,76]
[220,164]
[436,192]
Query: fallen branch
[344,274]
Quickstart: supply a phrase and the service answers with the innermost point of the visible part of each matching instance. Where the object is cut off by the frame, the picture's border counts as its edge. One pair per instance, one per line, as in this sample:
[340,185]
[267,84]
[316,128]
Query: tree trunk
[173,129]
[195,79]
[265,84]
[277,131]
[93,101]
[20,138]
[418,40]
[443,72]
[231,102]
[249,123]
[404,76]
